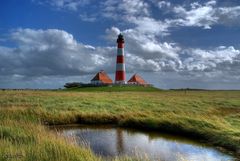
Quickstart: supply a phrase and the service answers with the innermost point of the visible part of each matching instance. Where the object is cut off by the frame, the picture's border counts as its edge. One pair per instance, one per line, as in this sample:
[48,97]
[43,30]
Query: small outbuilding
[101,78]
[136,79]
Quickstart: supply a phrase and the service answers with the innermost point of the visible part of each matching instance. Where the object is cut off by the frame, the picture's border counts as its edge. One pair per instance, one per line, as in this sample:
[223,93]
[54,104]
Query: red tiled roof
[137,79]
[103,77]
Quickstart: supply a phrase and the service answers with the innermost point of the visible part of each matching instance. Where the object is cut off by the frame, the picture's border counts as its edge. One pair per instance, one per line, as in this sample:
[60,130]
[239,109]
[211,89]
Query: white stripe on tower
[120,67]
[120,76]
[120,51]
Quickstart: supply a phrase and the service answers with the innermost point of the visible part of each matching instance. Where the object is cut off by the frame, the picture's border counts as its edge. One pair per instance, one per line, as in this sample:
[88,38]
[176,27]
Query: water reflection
[110,142]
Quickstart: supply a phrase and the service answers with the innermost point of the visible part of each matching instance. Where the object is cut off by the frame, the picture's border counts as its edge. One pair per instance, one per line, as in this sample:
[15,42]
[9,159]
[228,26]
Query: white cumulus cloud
[52,52]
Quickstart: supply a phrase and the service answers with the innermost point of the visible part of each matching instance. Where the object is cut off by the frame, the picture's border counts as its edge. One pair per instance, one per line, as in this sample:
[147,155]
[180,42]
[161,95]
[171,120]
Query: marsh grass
[212,116]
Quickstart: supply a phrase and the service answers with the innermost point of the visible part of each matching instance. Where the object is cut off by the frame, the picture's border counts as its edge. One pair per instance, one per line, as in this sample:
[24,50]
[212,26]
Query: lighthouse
[120,76]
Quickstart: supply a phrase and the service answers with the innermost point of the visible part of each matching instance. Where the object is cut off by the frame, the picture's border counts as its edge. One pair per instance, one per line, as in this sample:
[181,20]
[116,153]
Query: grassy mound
[210,115]
[114,88]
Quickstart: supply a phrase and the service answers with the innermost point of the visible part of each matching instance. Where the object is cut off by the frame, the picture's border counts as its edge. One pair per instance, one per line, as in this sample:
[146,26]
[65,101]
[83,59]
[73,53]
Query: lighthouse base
[120,82]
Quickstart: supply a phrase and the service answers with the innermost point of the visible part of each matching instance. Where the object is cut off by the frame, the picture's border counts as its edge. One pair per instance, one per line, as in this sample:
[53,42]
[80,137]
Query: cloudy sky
[171,44]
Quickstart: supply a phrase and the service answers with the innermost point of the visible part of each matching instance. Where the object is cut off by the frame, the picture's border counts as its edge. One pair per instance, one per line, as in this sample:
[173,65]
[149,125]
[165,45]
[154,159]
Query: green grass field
[213,116]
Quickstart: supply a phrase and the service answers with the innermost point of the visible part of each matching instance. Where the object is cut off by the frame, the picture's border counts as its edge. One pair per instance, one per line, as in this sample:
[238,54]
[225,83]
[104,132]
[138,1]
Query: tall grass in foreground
[33,142]
[213,116]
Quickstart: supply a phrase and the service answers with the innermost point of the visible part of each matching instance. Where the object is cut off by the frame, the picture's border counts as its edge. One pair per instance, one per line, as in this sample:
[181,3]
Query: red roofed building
[136,79]
[101,78]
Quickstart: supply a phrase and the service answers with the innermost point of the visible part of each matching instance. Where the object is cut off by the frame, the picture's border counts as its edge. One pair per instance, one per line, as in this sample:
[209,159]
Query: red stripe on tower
[120,76]
[121,45]
[120,59]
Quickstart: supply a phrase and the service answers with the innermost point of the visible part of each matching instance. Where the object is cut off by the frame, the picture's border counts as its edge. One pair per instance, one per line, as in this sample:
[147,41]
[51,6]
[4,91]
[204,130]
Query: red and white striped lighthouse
[120,76]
